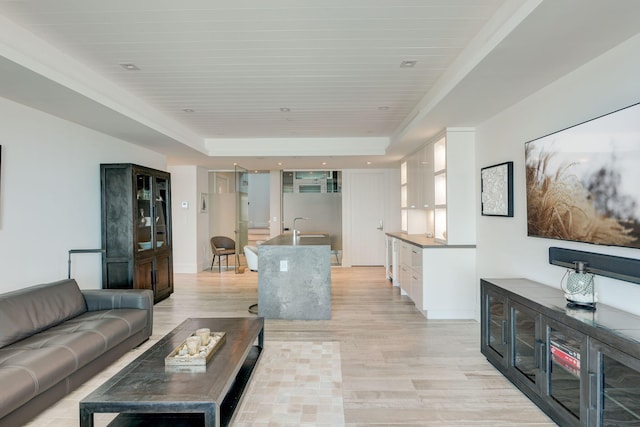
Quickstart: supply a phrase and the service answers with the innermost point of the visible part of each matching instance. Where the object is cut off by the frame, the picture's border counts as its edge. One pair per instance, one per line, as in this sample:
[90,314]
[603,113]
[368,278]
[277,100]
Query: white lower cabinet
[439,279]
[416,287]
[404,265]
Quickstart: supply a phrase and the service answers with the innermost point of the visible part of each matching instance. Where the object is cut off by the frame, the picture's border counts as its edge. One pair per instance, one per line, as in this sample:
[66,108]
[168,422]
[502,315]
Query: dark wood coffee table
[147,393]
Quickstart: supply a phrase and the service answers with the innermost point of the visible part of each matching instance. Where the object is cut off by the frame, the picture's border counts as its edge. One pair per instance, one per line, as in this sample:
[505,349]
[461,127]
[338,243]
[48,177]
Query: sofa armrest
[109,299]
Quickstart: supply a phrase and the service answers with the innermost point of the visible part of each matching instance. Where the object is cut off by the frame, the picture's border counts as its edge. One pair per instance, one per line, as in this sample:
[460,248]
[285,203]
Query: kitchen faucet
[295,231]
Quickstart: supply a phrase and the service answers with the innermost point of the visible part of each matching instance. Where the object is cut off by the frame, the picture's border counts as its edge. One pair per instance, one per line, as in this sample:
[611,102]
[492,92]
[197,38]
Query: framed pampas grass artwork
[583,182]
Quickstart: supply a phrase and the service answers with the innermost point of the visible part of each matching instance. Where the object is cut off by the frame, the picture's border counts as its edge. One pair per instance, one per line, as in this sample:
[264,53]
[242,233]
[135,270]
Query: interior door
[367,218]
[242,212]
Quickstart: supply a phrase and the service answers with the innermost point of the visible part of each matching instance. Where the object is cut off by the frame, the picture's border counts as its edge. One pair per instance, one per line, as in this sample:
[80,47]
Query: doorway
[366,219]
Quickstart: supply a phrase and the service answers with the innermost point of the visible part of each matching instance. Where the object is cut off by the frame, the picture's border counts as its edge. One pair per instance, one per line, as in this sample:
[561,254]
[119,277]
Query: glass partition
[242,212]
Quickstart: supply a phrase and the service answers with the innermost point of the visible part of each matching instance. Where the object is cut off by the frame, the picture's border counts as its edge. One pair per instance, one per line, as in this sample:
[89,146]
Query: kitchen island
[294,277]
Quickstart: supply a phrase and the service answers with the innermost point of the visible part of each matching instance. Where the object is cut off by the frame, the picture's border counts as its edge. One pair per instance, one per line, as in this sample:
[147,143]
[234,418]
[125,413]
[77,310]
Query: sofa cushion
[113,326]
[26,373]
[30,310]
[40,361]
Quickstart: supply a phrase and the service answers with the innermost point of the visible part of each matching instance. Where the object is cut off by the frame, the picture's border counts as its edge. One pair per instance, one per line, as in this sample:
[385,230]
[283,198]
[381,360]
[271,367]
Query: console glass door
[144,213]
[621,393]
[564,374]
[161,200]
[497,329]
[524,353]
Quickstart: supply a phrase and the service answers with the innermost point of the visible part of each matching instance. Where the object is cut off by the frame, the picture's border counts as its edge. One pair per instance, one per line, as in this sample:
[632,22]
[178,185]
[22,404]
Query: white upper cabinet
[460,186]
[439,183]
[427,177]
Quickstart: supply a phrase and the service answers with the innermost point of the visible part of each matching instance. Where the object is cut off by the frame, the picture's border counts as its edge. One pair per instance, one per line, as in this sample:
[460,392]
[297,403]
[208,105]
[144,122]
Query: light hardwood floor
[397,367]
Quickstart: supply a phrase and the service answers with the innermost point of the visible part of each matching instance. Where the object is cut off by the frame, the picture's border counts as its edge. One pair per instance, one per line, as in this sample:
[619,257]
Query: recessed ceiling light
[279,163]
[285,109]
[368,163]
[130,66]
[188,110]
[324,163]
[383,108]
[408,64]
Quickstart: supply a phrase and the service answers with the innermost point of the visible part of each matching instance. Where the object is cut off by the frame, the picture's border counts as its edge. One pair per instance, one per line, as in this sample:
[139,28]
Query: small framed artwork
[204,202]
[496,190]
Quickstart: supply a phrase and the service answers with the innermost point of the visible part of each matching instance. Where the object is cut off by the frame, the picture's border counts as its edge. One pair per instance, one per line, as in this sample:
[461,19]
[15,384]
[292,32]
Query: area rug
[296,383]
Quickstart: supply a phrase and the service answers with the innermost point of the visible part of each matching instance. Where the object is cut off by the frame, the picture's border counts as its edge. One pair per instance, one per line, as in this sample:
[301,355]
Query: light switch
[284,265]
[185,205]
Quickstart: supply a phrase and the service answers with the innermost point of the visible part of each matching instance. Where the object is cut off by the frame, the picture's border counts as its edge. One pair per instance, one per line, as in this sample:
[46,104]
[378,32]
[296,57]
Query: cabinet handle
[594,391]
[542,355]
[504,331]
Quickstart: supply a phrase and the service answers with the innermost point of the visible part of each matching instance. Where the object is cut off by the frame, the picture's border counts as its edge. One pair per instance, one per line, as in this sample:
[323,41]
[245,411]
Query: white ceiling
[336,64]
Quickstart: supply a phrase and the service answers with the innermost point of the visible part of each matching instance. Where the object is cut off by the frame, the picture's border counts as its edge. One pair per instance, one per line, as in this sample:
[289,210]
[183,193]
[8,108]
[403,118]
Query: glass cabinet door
[143,212]
[618,374]
[566,348]
[526,346]
[496,328]
[161,195]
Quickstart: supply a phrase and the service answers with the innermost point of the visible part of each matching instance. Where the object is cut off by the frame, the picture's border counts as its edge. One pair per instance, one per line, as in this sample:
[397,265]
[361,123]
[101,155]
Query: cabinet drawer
[416,258]
[405,253]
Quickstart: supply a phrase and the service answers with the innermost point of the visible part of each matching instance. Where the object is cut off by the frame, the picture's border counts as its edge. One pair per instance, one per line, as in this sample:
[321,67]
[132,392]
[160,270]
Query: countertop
[423,241]
[318,239]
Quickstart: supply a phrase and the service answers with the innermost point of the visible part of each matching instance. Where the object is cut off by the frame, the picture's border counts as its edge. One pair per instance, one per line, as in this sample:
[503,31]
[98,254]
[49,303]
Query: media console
[581,367]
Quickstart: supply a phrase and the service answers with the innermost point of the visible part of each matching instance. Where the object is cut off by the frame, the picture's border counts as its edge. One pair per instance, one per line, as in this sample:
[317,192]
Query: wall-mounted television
[583,182]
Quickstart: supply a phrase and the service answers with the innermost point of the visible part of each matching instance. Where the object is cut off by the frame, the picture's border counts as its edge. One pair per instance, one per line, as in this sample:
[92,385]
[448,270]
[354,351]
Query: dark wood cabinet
[136,229]
[581,367]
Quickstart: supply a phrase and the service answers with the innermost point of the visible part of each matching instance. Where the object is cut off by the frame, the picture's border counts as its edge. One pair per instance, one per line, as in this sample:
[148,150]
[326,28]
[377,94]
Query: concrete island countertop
[304,239]
[423,241]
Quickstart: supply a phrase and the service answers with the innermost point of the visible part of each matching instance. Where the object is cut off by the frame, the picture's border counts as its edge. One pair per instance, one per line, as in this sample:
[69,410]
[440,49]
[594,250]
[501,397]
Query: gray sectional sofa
[54,336]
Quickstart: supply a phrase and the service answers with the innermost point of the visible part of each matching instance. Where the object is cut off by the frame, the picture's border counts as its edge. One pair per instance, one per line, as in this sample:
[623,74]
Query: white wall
[50,195]
[184,226]
[605,84]
[222,206]
[190,224]
[223,215]
[203,233]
